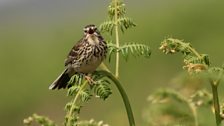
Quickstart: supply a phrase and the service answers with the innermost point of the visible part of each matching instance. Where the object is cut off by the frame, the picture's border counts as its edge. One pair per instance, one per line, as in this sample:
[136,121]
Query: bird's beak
[91,31]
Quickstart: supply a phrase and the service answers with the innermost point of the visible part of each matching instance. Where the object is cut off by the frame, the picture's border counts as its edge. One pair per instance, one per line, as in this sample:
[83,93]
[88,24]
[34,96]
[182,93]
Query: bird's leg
[89,79]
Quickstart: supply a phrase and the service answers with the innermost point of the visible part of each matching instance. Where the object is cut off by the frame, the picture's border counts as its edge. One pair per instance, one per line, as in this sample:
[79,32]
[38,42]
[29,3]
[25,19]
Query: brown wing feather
[74,53]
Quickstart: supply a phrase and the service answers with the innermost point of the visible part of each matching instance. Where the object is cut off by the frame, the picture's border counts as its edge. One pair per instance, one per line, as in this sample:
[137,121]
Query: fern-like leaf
[107,26]
[73,90]
[123,21]
[120,9]
[85,95]
[130,48]
[102,89]
[126,23]
[112,48]
[75,80]
[135,49]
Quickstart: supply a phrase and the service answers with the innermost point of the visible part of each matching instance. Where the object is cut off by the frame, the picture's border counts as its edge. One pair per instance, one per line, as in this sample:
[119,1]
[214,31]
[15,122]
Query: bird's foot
[89,79]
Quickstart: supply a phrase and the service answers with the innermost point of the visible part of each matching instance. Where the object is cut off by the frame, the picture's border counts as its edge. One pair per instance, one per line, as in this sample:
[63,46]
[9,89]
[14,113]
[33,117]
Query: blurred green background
[36,35]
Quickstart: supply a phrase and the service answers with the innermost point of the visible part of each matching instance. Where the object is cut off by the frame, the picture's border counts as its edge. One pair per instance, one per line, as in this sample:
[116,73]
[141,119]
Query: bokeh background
[36,35]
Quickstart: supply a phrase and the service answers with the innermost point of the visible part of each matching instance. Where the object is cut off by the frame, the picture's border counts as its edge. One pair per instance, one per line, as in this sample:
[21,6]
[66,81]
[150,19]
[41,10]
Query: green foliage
[102,89]
[198,63]
[171,46]
[118,19]
[194,62]
[73,90]
[85,95]
[123,21]
[121,11]
[82,90]
[134,49]
[107,26]
[43,121]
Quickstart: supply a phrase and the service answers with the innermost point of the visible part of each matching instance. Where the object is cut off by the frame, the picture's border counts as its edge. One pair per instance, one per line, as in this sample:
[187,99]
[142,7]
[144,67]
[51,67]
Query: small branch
[123,94]
[215,83]
[216,102]
[194,112]
[74,103]
[195,52]
[117,39]
[191,49]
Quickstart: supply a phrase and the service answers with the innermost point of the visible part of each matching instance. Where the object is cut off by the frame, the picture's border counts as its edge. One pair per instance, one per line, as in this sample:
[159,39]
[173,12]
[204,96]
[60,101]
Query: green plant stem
[216,102]
[191,49]
[195,52]
[123,94]
[74,103]
[117,39]
[194,112]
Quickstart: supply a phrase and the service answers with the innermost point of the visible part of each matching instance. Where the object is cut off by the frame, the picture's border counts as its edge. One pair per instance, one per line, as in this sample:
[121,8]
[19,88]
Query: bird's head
[92,35]
[90,29]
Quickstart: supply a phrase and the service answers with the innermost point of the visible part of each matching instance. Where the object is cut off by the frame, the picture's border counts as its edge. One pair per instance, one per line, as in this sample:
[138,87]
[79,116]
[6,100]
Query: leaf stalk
[123,94]
[117,39]
[74,102]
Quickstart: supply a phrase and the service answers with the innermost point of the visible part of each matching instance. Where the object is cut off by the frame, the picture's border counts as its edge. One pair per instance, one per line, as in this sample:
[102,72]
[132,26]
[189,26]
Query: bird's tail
[61,81]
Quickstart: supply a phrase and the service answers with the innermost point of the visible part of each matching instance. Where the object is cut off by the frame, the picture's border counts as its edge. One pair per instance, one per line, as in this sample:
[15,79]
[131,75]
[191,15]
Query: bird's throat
[92,39]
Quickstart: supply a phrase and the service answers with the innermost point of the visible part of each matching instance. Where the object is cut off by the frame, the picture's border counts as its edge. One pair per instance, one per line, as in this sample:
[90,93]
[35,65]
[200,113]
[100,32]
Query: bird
[84,58]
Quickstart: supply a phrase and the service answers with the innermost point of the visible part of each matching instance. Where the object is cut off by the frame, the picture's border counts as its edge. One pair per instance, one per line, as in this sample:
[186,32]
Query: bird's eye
[85,31]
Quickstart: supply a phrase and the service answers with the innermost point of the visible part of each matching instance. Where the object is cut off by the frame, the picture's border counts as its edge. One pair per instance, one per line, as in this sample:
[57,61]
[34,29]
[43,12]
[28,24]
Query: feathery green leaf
[135,49]
[107,26]
[102,89]
[85,95]
[126,23]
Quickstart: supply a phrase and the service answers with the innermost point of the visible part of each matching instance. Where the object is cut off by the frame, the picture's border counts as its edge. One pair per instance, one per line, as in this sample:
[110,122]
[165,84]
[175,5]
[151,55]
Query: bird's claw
[90,80]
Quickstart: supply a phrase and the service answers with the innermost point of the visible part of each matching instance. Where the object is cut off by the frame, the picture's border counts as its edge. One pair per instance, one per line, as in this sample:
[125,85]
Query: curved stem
[195,52]
[123,94]
[117,39]
[191,49]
